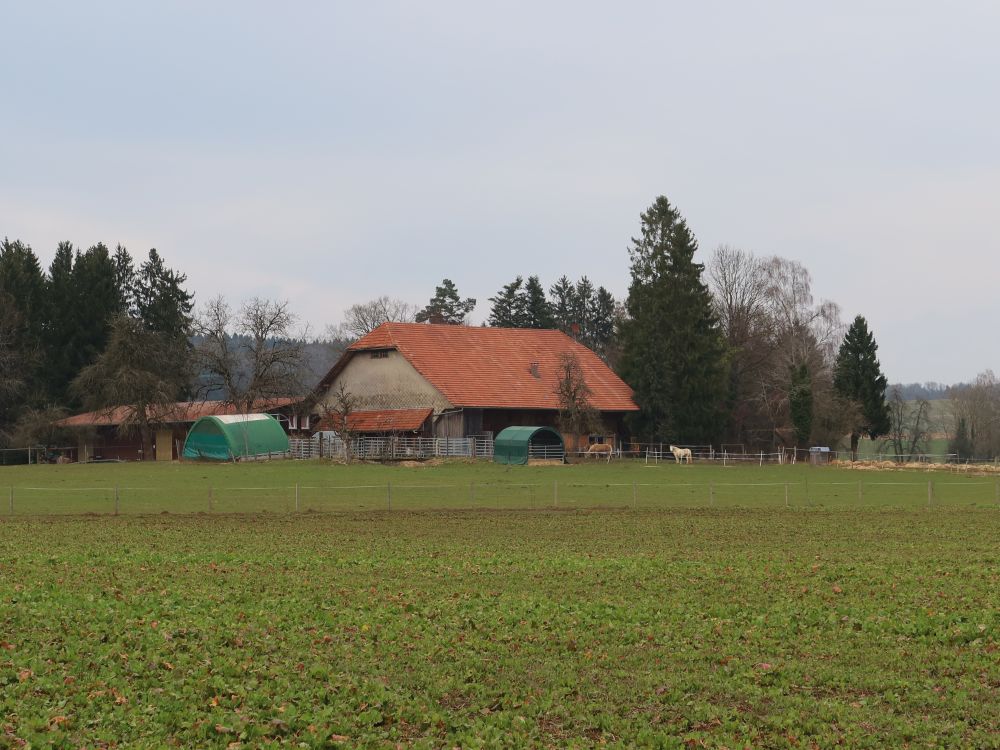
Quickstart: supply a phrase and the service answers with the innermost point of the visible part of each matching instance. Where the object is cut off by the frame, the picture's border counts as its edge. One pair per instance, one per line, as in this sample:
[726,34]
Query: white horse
[681,454]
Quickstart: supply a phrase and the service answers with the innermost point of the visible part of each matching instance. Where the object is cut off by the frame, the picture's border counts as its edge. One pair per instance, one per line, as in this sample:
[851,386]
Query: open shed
[224,438]
[515,445]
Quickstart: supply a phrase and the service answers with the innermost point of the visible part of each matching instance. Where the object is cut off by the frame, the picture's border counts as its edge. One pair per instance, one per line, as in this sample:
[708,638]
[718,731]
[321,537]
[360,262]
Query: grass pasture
[676,624]
[286,486]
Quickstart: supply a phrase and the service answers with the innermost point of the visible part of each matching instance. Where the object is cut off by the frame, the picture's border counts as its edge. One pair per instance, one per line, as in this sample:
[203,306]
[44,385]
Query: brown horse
[601,449]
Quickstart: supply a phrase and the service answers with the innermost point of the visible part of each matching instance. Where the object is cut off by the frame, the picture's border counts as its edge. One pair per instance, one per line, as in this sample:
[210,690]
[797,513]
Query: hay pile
[974,469]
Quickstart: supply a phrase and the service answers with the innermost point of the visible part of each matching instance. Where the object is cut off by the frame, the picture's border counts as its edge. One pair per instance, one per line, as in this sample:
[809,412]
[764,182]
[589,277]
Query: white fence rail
[391,448]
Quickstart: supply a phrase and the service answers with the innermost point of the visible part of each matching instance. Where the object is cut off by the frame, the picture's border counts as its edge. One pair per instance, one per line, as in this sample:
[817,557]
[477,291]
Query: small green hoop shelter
[515,445]
[229,437]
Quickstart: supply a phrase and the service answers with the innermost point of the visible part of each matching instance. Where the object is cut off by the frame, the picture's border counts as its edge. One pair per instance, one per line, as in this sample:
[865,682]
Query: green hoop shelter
[229,437]
[515,445]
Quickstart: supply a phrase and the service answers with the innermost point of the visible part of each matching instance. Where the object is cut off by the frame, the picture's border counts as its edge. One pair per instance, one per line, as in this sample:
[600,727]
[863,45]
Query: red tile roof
[510,368]
[182,411]
[387,420]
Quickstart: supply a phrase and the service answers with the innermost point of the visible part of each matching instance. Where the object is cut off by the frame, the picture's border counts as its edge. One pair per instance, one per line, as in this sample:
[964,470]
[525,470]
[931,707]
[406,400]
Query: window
[380,354]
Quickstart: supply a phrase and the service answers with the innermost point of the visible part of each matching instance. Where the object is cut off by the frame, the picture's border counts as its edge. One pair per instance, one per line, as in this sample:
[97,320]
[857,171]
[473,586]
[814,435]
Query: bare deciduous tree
[338,409]
[365,317]
[740,284]
[577,416]
[773,328]
[978,406]
[909,425]
[249,357]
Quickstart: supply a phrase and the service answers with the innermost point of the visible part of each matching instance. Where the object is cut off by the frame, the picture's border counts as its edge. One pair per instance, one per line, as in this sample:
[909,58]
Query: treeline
[56,322]
[736,351]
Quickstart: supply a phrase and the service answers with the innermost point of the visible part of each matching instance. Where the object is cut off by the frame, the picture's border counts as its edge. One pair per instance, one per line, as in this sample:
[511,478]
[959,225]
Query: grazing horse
[601,449]
[681,454]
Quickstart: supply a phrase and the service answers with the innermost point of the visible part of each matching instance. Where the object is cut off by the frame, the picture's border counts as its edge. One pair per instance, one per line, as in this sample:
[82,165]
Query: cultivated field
[678,624]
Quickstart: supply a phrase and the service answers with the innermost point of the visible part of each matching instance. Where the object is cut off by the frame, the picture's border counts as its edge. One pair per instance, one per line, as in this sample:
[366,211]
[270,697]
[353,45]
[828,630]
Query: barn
[100,435]
[463,381]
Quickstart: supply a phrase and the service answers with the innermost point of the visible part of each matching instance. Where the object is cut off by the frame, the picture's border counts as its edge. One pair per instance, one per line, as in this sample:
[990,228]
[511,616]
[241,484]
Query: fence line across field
[499,495]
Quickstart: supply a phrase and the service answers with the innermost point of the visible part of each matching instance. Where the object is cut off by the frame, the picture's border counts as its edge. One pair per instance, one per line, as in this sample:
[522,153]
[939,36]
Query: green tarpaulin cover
[236,436]
[512,445]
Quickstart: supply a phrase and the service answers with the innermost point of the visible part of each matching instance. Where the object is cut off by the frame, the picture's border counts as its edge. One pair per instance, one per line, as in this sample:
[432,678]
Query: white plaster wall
[387,383]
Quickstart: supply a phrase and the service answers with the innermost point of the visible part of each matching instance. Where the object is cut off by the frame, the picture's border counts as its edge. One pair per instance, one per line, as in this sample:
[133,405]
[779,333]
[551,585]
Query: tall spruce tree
[800,404]
[537,310]
[563,303]
[582,309]
[22,288]
[161,302]
[22,278]
[857,376]
[673,351]
[60,325]
[125,280]
[509,309]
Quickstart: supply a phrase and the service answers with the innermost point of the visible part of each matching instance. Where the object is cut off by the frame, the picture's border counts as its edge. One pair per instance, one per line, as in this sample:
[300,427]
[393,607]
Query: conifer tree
[673,351]
[125,280]
[563,295]
[446,306]
[857,376]
[509,306]
[161,302]
[61,360]
[537,310]
[22,309]
[800,404]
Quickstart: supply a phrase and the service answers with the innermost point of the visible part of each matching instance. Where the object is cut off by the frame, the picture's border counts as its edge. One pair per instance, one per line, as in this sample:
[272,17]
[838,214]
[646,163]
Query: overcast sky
[328,153]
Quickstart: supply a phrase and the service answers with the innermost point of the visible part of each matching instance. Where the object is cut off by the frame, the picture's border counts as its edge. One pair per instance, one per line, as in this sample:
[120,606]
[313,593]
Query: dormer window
[380,354]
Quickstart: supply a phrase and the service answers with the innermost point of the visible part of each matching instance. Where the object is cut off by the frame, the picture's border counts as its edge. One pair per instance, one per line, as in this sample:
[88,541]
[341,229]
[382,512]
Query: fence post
[116,499]
[635,495]
[209,498]
[930,491]
[296,497]
[786,494]
[388,495]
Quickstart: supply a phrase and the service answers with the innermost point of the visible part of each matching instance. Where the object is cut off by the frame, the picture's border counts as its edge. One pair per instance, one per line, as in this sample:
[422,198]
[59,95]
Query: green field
[284,486]
[679,624]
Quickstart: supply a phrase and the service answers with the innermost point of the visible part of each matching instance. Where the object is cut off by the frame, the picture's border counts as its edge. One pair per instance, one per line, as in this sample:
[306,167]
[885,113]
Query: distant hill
[320,357]
[930,391]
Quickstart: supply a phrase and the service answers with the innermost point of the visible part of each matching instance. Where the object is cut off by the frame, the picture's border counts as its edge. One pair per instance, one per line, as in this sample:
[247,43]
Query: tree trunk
[146,441]
[855,438]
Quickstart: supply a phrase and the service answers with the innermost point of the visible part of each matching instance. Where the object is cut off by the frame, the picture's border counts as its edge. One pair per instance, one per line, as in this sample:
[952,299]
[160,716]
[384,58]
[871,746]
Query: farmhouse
[100,436]
[460,381]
